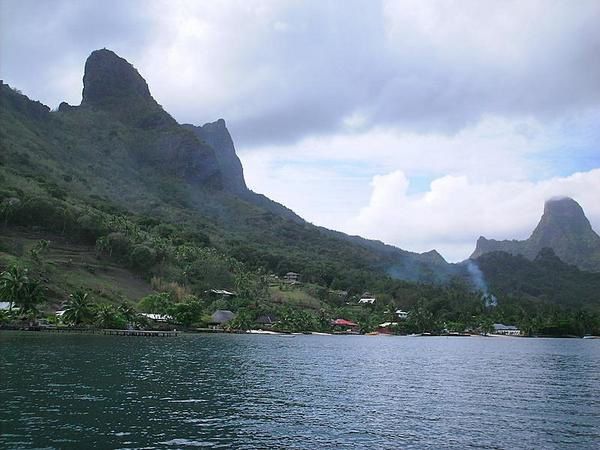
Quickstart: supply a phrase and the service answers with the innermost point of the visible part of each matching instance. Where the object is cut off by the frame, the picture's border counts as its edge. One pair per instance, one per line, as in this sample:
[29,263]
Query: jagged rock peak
[107,76]
[564,228]
[563,206]
[217,136]
[562,215]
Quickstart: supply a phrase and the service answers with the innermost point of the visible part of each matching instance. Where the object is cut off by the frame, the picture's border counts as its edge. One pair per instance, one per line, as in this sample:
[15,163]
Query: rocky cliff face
[109,77]
[563,228]
[217,136]
[121,147]
[112,85]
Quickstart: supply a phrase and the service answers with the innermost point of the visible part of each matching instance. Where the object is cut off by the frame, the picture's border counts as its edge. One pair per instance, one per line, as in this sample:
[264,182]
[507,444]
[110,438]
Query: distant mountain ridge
[564,228]
[120,147]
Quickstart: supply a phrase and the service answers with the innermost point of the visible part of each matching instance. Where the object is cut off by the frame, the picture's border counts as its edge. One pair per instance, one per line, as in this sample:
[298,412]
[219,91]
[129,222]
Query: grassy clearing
[295,297]
[66,267]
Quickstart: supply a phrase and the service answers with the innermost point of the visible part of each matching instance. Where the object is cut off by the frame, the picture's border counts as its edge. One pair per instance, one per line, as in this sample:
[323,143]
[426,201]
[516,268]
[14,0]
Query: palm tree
[128,313]
[7,207]
[32,295]
[12,284]
[79,309]
[106,316]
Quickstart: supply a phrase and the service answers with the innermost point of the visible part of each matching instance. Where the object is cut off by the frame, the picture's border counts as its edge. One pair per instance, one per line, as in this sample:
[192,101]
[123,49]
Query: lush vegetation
[85,178]
[545,279]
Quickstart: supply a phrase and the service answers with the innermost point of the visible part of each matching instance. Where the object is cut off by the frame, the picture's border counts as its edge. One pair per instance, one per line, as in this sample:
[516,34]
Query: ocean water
[305,392]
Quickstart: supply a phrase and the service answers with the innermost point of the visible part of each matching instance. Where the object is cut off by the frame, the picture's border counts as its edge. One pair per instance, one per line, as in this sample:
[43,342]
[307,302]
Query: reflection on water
[261,391]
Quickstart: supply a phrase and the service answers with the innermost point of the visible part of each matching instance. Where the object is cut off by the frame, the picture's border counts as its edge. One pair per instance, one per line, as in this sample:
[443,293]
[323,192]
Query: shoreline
[182,332]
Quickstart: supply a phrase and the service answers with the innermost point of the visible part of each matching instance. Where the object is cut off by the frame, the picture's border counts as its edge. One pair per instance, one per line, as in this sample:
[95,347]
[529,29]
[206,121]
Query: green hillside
[546,278]
[132,203]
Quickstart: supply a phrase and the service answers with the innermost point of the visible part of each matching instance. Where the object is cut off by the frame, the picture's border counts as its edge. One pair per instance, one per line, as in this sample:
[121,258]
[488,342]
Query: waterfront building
[506,330]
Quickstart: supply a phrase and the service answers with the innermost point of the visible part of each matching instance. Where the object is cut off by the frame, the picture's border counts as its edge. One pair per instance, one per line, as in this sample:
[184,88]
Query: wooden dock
[107,332]
[140,333]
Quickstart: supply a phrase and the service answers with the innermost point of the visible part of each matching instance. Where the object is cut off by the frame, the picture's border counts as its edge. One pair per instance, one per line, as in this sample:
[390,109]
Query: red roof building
[343,323]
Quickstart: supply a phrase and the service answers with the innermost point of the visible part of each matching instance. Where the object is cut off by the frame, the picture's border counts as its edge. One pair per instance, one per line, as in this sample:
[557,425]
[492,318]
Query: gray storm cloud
[280,71]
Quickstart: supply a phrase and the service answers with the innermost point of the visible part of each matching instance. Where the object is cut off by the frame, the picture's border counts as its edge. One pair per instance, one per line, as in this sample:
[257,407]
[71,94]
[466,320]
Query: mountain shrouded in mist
[564,228]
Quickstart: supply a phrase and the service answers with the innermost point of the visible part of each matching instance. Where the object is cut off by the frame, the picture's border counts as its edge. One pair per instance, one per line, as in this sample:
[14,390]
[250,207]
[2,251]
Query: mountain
[564,228]
[114,86]
[119,153]
[217,136]
[544,278]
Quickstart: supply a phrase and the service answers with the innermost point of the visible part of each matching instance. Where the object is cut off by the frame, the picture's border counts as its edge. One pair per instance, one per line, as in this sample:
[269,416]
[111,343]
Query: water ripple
[223,391]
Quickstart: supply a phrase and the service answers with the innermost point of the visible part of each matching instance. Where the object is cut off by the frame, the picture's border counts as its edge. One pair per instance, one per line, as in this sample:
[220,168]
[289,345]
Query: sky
[424,124]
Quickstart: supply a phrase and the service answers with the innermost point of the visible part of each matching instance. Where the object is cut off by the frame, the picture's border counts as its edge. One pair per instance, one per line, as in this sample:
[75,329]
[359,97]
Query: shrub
[142,257]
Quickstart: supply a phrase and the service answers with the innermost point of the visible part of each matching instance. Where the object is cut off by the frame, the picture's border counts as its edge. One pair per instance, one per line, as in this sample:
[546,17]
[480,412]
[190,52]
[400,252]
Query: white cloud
[455,211]
[325,97]
[488,179]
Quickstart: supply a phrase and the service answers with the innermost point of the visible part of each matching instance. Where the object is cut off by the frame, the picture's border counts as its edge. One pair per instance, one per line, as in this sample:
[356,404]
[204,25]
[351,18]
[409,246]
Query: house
[157,317]
[386,327]
[343,326]
[506,330]
[291,277]
[402,315]
[266,321]
[4,306]
[367,298]
[220,317]
[222,293]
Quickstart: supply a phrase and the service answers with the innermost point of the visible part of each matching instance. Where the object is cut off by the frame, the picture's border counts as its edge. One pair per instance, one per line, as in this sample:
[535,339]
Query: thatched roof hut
[222,316]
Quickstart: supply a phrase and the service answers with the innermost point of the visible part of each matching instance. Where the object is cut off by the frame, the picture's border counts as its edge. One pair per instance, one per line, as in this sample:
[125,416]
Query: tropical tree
[128,313]
[107,316]
[40,247]
[12,281]
[186,312]
[7,207]
[156,303]
[421,318]
[79,309]
[5,317]
[486,325]
[32,295]
[296,320]
[243,321]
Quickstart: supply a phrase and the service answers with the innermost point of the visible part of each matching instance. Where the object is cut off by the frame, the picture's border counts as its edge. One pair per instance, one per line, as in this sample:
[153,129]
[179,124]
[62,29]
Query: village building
[4,306]
[506,330]
[220,293]
[266,321]
[367,298]
[402,315]
[163,318]
[386,327]
[343,326]
[291,277]
[220,317]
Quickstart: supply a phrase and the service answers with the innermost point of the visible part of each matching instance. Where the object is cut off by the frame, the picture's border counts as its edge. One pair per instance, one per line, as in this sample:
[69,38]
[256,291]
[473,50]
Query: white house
[506,330]
[4,306]
[156,317]
[367,298]
[222,292]
[402,315]
[291,277]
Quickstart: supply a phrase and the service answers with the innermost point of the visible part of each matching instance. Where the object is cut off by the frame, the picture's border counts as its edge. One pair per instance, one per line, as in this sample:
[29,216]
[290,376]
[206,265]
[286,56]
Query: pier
[140,333]
[107,332]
